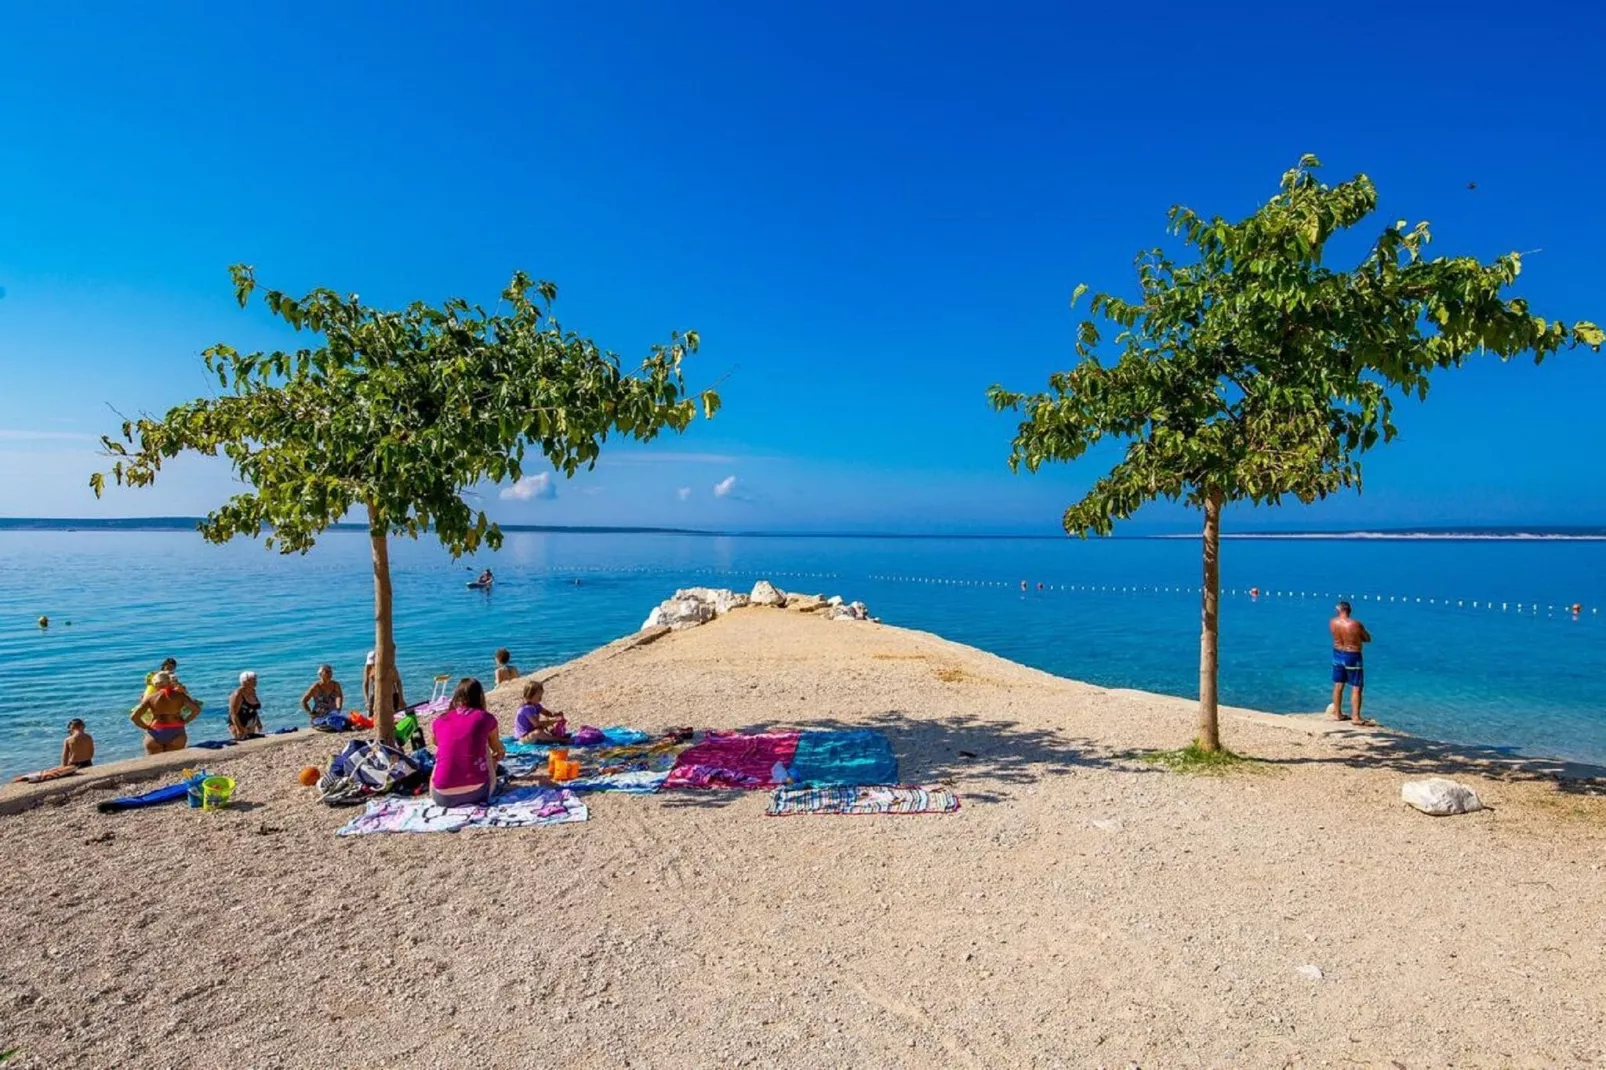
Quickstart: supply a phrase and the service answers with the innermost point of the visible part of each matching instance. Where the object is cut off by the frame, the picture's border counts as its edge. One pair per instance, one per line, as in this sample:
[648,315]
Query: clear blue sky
[870,211]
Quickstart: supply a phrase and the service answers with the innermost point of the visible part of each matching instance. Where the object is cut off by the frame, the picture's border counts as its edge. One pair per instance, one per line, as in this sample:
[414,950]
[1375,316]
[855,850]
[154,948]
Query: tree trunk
[1209,730]
[384,639]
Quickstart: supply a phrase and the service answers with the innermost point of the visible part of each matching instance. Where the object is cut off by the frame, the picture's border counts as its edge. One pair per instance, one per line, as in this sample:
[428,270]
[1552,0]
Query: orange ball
[309,776]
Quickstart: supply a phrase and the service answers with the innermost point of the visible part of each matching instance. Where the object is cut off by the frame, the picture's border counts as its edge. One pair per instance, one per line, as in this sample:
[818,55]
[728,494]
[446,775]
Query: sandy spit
[1083,909]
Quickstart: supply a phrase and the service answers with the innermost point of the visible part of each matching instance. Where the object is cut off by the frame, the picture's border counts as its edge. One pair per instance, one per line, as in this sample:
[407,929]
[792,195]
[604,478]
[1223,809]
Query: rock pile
[699,605]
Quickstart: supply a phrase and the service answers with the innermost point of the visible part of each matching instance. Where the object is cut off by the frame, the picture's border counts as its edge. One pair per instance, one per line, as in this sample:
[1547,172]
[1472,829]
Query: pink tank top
[462,738]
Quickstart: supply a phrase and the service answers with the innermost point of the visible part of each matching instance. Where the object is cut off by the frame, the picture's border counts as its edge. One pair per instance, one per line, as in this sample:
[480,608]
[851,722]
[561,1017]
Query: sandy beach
[1083,908]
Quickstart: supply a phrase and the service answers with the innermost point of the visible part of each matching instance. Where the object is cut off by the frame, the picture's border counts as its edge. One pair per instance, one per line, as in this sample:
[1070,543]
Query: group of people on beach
[166,708]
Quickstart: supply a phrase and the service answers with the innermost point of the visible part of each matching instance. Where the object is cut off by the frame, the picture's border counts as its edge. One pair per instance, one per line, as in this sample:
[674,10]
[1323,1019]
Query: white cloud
[723,488]
[683,493]
[537,486]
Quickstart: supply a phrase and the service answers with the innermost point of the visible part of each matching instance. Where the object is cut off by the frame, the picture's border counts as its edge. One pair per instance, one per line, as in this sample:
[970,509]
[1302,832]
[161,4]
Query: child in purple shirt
[537,724]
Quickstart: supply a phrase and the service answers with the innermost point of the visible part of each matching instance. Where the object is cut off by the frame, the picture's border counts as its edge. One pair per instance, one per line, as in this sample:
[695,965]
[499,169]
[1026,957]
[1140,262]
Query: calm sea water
[1122,613]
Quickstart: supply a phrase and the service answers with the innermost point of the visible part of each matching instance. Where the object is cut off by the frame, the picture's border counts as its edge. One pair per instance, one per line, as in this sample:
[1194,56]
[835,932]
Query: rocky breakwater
[699,605]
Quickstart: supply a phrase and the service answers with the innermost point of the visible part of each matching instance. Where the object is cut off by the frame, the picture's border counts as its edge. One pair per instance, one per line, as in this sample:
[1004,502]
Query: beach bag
[331,722]
[382,770]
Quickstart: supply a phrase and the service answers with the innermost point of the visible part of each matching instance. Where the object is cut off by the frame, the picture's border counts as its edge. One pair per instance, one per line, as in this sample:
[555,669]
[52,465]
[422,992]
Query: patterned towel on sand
[521,807]
[733,760]
[861,799]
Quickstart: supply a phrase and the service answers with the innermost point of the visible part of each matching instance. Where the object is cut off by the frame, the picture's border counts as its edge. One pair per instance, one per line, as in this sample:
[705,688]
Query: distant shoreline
[1538,533]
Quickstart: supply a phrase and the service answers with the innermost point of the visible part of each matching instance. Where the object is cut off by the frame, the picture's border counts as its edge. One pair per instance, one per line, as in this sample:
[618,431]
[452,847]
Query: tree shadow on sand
[1413,756]
[952,750]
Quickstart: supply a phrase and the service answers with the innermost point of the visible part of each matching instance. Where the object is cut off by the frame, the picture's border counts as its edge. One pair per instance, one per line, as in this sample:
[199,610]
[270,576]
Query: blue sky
[870,212]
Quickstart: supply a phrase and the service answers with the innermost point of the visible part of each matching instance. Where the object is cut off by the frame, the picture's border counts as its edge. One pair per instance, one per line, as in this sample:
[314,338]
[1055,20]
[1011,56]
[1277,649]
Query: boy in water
[78,749]
[1348,635]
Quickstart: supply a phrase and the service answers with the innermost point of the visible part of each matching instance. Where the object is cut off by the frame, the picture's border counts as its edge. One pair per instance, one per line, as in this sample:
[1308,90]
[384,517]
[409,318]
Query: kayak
[476,585]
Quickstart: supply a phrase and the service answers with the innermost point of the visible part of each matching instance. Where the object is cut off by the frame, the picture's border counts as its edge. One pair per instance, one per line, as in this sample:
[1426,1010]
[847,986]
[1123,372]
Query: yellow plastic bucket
[216,791]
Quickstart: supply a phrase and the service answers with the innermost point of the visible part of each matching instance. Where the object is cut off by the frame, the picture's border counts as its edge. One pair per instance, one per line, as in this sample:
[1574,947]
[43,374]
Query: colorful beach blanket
[861,799]
[850,756]
[636,768]
[733,760]
[521,807]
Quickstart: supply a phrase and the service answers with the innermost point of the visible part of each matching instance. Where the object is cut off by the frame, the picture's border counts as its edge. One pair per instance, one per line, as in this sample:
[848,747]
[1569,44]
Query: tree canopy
[1255,371]
[401,412]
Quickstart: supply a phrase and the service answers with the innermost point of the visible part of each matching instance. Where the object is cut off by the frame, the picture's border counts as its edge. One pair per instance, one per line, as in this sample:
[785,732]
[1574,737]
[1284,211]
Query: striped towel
[861,799]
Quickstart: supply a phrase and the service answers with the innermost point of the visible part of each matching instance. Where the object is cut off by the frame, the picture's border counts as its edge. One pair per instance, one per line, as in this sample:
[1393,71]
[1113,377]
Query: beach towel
[46,774]
[861,799]
[733,760]
[617,736]
[636,768]
[521,807]
[851,756]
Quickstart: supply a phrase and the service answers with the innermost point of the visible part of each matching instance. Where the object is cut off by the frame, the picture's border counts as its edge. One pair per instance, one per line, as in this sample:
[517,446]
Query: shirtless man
[1348,635]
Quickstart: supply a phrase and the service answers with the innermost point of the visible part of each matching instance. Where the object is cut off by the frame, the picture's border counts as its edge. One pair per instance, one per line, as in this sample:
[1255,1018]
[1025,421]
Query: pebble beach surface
[1085,907]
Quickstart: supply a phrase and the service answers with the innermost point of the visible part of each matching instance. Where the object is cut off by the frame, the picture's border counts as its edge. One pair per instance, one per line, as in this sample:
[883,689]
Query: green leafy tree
[1255,372]
[397,415]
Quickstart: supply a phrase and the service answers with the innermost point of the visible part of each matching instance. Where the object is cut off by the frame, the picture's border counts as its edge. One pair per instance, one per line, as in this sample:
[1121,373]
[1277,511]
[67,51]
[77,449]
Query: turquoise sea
[1474,643]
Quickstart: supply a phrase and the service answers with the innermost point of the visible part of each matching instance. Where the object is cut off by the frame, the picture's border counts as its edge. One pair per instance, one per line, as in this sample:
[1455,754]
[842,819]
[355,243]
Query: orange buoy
[309,776]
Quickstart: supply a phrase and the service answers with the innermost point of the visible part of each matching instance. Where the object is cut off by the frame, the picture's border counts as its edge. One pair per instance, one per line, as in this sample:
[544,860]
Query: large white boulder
[1440,797]
[683,613]
[723,599]
[655,619]
[766,593]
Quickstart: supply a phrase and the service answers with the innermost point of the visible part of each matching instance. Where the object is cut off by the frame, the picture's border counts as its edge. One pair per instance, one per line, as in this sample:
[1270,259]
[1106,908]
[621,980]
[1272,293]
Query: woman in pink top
[468,745]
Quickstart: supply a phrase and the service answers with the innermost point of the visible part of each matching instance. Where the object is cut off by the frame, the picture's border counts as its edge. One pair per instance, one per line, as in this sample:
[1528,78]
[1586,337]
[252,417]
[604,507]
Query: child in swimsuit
[537,724]
[164,714]
[78,749]
[505,669]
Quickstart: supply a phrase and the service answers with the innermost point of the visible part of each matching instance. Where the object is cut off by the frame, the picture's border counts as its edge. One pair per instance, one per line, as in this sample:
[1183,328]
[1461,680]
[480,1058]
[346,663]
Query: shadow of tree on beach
[1413,756]
[959,750]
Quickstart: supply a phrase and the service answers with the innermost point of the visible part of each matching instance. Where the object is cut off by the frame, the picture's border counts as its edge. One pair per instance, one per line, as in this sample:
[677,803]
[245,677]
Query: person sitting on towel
[468,745]
[78,749]
[537,724]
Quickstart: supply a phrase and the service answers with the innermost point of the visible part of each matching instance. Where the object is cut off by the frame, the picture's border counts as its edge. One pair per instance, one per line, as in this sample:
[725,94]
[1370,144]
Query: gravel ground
[1084,908]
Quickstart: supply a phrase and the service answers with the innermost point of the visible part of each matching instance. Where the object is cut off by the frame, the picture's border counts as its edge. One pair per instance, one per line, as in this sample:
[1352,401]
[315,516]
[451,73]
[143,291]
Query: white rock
[683,613]
[766,593]
[804,603]
[655,619]
[1440,797]
[835,600]
[1311,971]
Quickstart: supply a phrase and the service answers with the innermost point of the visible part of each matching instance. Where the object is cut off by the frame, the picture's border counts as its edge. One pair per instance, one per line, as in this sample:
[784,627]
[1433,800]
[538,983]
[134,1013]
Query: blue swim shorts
[1347,669]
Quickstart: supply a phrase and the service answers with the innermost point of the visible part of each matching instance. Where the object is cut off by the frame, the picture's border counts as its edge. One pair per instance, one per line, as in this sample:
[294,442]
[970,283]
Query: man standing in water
[1348,635]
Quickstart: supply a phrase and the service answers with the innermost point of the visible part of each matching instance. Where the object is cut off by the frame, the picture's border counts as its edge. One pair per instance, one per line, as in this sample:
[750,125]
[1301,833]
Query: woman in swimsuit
[324,696]
[245,708]
[164,714]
